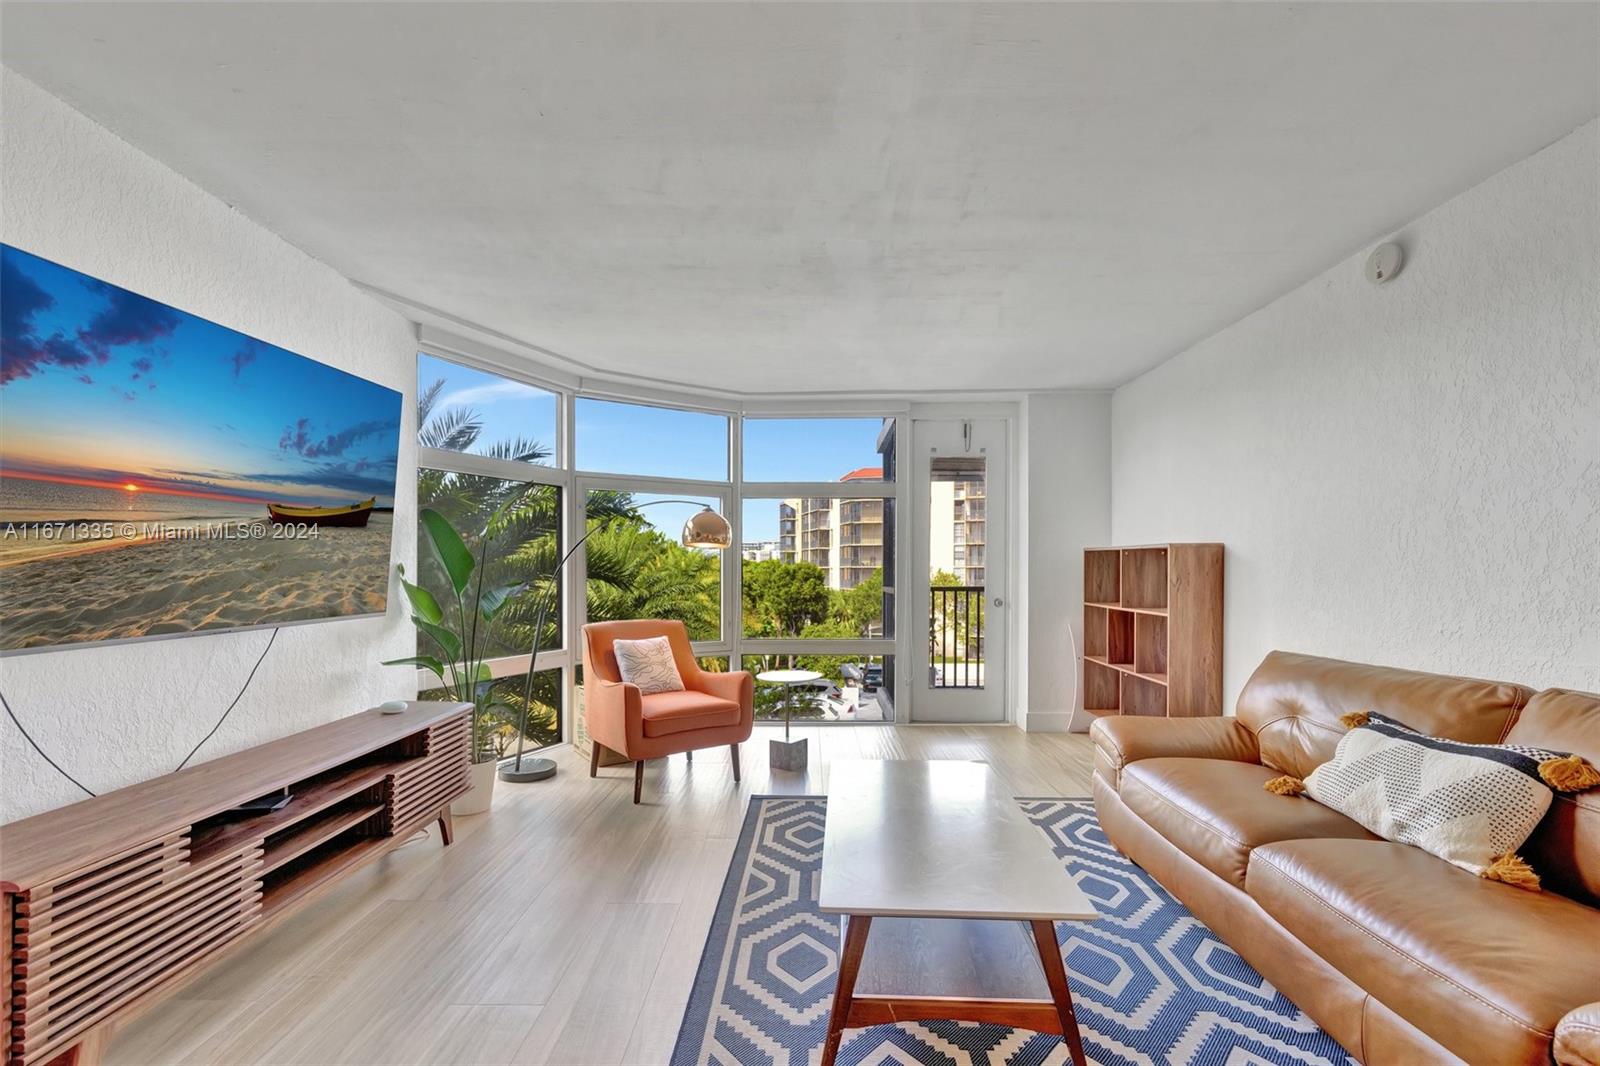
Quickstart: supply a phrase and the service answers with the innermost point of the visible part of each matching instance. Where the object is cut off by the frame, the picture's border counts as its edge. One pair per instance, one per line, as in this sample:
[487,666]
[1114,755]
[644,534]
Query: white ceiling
[818,197]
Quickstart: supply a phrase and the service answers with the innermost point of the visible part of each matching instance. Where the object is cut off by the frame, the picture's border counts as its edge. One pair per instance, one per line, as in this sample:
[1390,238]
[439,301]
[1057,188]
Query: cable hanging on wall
[242,690]
[87,791]
[35,744]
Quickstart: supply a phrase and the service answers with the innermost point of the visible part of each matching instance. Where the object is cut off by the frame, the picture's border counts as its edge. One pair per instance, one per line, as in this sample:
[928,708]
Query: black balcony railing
[955,636]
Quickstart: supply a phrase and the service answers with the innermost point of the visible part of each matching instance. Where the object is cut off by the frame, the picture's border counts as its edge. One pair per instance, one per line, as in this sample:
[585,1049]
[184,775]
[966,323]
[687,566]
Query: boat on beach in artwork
[353,514]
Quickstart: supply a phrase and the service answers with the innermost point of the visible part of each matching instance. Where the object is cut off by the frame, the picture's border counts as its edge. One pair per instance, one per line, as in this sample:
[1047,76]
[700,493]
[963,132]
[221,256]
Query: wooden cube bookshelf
[1152,630]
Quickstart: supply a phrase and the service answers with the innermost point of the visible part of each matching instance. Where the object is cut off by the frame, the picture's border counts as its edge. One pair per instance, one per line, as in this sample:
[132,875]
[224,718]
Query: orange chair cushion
[665,713]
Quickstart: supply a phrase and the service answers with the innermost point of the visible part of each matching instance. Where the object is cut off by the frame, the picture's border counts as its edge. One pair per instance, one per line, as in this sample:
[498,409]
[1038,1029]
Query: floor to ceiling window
[488,451]
[811,584]
[817,577]
[644,471]
[636,567]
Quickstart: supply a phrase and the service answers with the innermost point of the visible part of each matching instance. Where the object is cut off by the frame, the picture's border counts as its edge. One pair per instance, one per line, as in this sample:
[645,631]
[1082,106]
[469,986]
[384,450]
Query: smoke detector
[1384,263]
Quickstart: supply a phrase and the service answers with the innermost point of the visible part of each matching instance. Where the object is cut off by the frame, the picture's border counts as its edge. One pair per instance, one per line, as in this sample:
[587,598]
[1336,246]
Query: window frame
[727,571]
[562,458]
[814,415]
[731,421]
[897,490]
[575,484]
[558,475]
[777,492]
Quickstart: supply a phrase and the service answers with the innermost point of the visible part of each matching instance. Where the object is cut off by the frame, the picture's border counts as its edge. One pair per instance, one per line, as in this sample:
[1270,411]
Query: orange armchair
[712,709]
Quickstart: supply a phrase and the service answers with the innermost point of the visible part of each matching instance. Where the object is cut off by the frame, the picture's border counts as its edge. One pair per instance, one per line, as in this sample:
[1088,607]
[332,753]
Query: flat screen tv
[161,474]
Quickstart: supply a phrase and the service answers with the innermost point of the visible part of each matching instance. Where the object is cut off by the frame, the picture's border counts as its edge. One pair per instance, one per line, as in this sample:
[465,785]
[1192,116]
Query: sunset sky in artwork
[104,388]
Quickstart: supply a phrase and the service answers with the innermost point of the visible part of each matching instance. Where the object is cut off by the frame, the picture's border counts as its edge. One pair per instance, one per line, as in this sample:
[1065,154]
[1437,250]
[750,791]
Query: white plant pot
[481,794]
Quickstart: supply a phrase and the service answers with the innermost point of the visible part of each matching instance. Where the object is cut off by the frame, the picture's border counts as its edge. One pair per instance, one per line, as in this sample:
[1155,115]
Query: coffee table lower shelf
[1053,1016]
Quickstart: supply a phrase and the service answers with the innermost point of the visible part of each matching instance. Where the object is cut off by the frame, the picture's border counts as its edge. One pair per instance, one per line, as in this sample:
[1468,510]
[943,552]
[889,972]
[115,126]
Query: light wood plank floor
[563,927]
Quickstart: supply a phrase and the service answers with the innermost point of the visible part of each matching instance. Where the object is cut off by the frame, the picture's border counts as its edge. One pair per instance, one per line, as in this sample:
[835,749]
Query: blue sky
[107,388]
[619,438]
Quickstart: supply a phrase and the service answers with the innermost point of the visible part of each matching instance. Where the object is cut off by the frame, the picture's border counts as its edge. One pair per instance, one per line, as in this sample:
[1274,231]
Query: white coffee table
[909,839]
[787,754]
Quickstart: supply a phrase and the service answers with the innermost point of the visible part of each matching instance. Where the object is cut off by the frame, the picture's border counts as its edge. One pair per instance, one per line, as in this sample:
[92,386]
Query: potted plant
[454,628]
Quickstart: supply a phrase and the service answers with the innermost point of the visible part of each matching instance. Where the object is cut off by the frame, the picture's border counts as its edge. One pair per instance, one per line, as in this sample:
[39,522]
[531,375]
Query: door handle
[998,602]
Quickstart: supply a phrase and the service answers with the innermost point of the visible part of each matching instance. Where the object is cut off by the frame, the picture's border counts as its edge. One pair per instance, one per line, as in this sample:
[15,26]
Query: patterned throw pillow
[1472,805]
[649,664]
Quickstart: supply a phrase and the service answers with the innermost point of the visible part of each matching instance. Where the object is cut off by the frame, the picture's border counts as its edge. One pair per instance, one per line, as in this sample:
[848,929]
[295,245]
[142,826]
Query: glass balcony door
[958,570]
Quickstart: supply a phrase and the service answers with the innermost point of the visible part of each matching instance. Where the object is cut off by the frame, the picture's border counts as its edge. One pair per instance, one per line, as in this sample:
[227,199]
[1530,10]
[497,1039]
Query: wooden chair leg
[594,758]
[447,827]
[734,748]
[638,779]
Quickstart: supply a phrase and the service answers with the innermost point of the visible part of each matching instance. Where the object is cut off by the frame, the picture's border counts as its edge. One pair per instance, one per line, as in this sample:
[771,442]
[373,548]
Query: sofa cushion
[1479,966]
[1293,702]
[1215,810]
[665,713]
[1565,849]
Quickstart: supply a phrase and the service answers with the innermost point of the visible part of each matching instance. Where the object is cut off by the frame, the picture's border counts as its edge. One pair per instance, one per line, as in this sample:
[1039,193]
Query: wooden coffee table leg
[1055,975]
[855,944]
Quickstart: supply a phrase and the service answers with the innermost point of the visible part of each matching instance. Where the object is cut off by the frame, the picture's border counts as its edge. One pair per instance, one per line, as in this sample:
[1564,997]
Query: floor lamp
[705,529]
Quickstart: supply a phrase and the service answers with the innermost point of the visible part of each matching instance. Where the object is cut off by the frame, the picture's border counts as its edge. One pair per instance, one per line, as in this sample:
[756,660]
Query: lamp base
[532,770]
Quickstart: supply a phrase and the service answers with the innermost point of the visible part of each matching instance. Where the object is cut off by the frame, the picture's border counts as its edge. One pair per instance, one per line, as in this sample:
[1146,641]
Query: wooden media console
[114,901]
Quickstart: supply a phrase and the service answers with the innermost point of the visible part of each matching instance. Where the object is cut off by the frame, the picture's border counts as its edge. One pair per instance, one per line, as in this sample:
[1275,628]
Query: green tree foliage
[782,599]
[793,600]
[828,665]
[862,606]
[634,571]
[958,630]
[457,429]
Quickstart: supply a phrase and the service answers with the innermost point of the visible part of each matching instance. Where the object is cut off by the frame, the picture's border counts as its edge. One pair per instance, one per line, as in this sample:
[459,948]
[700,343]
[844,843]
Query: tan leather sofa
[1400,956]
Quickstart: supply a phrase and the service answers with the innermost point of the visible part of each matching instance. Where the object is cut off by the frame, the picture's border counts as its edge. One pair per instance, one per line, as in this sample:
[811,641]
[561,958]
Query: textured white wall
[1406,474]
[75,193]
[1065,507]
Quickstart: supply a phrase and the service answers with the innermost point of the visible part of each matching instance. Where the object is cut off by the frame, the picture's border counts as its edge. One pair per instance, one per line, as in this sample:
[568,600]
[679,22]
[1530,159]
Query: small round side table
[787,754]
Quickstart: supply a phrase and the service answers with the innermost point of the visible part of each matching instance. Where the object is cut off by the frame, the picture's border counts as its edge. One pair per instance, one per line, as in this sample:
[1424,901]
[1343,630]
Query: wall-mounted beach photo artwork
[161,474]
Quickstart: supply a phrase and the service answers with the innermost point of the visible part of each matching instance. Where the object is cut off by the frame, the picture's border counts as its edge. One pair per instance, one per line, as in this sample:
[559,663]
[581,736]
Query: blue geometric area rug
[1150,983]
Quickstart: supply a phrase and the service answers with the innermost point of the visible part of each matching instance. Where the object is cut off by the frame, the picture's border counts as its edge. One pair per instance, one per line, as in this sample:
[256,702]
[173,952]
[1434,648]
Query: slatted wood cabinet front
[117,899]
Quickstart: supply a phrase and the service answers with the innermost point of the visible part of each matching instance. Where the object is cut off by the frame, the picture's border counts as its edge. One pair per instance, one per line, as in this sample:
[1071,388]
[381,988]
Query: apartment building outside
[759,551]
[788,531]
[849,539]
[956,535]
[844,537]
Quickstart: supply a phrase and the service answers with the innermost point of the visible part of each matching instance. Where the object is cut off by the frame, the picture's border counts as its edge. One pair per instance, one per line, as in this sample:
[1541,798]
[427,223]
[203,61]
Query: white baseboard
[1045,721]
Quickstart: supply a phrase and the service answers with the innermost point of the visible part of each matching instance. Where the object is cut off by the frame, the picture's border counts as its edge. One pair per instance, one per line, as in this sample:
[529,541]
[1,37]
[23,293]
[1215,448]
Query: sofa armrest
[1123,739]
[614,713]
[1577,1040]
[738,686]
